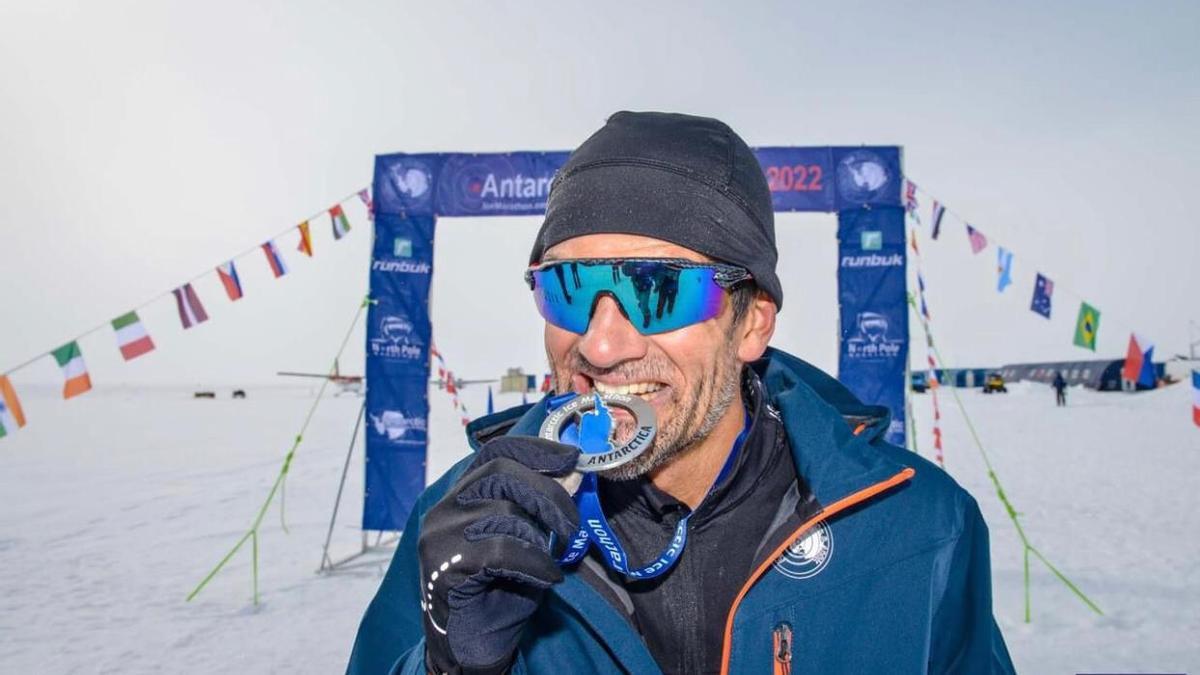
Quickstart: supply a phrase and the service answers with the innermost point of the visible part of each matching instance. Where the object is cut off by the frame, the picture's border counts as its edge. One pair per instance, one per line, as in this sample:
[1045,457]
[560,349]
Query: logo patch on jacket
[807,556]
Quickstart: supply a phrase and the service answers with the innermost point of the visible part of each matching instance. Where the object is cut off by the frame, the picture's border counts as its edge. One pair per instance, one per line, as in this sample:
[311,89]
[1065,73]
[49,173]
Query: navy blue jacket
[891,575]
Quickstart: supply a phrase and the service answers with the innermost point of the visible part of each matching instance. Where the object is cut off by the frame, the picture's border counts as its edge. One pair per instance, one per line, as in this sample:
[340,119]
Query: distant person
[1060,389]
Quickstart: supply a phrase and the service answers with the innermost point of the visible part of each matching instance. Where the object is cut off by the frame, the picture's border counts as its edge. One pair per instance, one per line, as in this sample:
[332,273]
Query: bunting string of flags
[133,339]
[447,376]
[935,357]
[932,376]
[1138,364]
[1088,322]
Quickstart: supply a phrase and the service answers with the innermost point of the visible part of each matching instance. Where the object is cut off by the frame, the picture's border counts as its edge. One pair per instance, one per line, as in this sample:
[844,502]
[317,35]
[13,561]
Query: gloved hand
[485,552]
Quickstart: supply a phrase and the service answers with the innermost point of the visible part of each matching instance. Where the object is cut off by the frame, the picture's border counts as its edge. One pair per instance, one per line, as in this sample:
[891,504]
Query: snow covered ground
[118,502]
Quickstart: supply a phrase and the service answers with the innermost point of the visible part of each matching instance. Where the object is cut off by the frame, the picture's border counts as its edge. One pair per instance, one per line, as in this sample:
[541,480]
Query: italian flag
[70,359]
[132,337]
[11,415]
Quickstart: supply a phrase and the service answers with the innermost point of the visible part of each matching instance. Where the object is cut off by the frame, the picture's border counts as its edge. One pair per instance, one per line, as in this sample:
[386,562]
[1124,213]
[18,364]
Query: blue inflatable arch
[861,184]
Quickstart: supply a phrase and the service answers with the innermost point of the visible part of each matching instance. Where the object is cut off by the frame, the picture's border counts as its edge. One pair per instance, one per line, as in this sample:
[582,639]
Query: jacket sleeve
[392,622]
[965,637]
[392,626]
[412,662]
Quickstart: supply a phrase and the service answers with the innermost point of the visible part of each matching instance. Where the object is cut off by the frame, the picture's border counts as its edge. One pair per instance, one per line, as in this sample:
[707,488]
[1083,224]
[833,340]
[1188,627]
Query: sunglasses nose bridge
[610,337]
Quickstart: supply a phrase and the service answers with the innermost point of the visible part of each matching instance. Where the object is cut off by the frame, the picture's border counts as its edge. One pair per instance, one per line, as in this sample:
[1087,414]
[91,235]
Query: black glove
[485,552]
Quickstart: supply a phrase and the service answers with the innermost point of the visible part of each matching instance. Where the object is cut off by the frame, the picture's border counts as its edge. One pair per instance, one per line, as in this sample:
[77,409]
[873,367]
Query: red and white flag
[191,312]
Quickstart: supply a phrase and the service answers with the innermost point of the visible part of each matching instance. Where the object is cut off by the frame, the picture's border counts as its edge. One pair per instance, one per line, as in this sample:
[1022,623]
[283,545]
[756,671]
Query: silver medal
[596,429]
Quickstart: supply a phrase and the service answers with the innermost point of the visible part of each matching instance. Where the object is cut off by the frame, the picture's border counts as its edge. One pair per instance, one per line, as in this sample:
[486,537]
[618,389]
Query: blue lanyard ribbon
[594,527]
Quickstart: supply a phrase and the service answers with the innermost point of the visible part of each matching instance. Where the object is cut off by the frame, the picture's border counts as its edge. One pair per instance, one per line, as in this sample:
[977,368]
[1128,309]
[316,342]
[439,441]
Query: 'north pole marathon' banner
[874,326]
[410,191]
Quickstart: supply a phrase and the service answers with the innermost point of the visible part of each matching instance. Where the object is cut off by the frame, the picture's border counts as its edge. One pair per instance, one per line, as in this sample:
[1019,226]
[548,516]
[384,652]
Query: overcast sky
[142,143]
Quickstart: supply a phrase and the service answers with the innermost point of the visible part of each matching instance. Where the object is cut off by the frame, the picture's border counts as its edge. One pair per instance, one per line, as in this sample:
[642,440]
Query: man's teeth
[631,388]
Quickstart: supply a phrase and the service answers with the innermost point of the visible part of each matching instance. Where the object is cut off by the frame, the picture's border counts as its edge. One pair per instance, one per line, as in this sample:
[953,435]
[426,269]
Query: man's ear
[758,326]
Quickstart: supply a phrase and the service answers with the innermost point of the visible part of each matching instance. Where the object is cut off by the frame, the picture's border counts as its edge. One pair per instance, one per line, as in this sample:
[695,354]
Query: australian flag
[1043,290]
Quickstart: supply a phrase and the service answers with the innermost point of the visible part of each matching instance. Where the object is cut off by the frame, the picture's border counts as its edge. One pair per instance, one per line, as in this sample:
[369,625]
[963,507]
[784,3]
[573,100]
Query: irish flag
[132,337]
[338,218]
[11,416]
[70,359]
[278,267]
[229,279]
[305,246]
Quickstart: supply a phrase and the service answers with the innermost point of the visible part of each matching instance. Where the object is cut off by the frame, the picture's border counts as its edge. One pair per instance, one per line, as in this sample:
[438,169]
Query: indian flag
[132,337]
[338,218]
[70,359]
[11,415]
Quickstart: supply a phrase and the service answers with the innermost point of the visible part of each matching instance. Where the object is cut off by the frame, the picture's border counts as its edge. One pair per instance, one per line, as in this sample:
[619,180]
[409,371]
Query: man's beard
[696,414]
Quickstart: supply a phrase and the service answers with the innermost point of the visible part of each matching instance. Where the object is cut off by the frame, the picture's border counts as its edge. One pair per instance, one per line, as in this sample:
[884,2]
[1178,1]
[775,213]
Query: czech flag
[229,279]
[278,267]
[1139,366]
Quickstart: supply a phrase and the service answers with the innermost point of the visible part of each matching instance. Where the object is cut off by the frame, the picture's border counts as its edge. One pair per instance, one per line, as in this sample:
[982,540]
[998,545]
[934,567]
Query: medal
[586,421]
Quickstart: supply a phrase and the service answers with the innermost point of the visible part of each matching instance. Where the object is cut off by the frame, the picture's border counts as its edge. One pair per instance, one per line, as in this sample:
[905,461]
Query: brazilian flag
[1087,326]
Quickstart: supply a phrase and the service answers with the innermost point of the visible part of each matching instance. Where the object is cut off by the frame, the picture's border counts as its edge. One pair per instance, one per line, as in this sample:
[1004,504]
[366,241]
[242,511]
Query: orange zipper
[781,649]
[840,505]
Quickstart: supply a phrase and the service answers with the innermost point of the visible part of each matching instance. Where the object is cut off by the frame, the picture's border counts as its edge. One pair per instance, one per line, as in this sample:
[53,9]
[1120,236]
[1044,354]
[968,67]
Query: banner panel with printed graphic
[398,339]
[463,184]
[873,310]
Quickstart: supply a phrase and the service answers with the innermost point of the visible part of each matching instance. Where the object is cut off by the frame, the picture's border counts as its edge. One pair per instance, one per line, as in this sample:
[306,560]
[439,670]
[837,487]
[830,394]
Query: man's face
[690,375]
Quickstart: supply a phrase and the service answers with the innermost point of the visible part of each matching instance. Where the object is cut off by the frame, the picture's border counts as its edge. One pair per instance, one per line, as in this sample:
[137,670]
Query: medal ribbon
[594,528]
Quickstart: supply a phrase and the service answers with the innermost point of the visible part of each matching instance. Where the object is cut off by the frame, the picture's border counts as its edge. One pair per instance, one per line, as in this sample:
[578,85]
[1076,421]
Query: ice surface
[118,502]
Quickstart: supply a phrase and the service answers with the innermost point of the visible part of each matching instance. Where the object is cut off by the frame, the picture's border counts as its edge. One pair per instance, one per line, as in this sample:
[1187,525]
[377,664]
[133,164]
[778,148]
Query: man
[1060,389]
[808,542]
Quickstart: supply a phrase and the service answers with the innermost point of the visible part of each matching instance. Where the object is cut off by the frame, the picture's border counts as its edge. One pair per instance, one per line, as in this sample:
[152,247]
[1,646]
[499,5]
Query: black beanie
[687,180]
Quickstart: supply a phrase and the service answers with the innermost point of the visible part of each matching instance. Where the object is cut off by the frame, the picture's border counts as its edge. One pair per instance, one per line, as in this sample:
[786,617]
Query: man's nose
[610,338]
